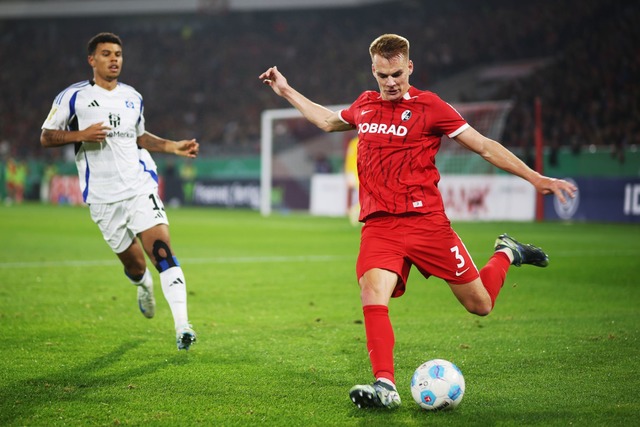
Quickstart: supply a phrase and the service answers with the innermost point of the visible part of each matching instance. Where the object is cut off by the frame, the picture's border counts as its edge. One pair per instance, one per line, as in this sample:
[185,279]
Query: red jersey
[397,145]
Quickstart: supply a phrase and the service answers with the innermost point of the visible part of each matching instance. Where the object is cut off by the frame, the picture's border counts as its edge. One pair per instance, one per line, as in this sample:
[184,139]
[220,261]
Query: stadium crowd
[198,73]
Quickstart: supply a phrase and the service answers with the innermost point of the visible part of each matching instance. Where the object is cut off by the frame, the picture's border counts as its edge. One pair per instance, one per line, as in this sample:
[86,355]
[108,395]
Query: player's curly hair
[389,46]
[102,38]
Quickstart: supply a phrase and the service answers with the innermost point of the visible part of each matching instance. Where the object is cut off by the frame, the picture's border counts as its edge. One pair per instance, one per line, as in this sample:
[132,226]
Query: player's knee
[163,257]
[134,267]
[479,308]
[483,312]
[135,273]
[479,305]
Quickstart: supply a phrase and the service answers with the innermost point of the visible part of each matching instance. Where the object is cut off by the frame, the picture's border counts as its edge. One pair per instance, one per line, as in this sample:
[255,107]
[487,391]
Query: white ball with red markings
[437,384]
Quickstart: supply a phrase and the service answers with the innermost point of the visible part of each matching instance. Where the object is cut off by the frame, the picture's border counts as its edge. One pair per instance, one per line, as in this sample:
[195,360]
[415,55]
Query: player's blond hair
[389,46]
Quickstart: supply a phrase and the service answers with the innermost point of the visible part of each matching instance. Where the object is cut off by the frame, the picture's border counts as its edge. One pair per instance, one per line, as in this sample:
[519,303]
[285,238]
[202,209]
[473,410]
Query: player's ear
[410,66]
[90,60]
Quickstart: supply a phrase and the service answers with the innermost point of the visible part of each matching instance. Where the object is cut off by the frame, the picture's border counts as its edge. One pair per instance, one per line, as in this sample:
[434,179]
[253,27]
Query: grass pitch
[276,307]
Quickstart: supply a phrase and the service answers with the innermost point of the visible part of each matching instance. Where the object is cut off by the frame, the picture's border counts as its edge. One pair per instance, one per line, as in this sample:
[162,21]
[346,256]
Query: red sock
[494,273]
[380,340]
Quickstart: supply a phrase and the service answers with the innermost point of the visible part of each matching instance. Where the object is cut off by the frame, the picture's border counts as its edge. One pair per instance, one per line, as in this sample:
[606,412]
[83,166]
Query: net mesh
[489,119]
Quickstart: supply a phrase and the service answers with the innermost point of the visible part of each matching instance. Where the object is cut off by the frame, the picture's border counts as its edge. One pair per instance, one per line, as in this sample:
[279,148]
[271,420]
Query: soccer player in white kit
[104,120]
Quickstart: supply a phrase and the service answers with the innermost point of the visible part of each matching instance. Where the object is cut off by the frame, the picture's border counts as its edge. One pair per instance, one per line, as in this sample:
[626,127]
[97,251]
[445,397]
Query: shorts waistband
[381,214]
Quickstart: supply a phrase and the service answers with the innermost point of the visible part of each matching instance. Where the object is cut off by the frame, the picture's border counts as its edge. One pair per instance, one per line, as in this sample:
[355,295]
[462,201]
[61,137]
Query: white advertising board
[487,198]
[466,197]
[328,195]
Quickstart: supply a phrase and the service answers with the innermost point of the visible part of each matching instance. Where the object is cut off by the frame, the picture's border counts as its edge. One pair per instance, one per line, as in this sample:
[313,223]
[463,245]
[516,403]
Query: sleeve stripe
[58,99]
[340,117]
[459,130]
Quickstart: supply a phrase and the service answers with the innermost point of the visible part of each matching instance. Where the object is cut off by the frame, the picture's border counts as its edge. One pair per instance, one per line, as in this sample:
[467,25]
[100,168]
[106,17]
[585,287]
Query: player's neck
[105,84]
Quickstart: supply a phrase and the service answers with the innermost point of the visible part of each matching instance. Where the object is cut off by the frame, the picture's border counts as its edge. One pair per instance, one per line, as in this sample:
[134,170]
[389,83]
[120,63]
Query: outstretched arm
[184,148]
[325,119]
[496,154]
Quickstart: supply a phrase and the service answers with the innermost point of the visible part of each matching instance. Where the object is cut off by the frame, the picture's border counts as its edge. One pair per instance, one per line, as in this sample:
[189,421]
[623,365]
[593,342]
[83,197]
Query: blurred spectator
[172,185]
[15,178]
[322,164]
[188,173]
[203,67]
[50,171]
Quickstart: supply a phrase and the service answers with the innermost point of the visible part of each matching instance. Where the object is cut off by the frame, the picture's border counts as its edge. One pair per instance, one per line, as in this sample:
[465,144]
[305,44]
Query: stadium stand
[198,73]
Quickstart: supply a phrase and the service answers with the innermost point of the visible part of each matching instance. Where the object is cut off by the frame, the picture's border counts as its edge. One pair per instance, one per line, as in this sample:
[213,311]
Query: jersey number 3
[456,251]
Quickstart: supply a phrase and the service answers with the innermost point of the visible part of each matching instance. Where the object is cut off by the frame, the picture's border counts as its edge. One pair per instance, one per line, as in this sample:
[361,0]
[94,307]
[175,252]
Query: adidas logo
[178,281]
[159,215]
[94,103]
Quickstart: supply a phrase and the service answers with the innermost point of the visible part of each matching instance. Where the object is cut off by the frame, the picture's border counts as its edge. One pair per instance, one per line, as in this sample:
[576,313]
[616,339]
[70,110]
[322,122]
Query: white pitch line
[217,260]
[273,259]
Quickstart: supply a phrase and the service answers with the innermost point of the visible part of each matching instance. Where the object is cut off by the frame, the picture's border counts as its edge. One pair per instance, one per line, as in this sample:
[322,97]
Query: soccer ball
[437,384]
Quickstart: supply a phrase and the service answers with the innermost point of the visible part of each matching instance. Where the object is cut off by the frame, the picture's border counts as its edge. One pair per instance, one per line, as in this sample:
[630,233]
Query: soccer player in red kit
[399,130]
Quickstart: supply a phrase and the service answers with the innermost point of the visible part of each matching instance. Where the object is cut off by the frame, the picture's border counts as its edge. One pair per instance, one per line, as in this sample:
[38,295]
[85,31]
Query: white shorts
[120,222]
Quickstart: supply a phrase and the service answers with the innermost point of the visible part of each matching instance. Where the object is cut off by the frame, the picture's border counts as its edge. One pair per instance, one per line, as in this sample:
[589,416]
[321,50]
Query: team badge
[114,120]
[406,115]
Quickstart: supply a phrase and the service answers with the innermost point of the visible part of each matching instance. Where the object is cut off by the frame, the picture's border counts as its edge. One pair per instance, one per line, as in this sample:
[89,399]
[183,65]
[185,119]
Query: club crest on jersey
[130,104]
[406,115]
[114,120]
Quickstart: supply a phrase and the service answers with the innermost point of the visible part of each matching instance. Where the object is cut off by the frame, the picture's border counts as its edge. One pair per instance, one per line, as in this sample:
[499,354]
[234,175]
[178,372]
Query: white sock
[174,288]
[386,381]
[146,280]
[508,252]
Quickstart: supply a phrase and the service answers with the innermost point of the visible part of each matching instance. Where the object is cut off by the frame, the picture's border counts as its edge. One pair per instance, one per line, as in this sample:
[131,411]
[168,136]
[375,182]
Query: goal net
[488,118]
[296,155]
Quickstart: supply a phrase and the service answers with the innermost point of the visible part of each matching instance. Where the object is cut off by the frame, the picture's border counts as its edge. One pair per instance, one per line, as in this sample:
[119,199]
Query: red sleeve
[348,114]
[445,119]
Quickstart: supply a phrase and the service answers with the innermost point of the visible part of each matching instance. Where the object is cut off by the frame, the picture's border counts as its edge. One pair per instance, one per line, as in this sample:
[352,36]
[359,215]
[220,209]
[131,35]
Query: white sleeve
[58,118]
[140,125]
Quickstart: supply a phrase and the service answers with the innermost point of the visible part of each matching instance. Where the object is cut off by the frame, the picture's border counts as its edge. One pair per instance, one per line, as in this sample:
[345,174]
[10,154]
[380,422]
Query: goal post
[291,148]
[268,139]
[266,152]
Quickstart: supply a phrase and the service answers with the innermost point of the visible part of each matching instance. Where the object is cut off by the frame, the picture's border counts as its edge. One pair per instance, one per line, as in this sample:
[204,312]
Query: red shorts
[396,242]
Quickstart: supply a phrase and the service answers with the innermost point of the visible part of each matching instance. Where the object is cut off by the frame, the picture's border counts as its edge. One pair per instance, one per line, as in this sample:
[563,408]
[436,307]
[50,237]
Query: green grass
[275,303]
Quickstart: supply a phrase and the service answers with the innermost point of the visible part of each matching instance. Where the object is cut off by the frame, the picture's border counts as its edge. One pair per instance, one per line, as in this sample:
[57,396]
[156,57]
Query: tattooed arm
[97,132]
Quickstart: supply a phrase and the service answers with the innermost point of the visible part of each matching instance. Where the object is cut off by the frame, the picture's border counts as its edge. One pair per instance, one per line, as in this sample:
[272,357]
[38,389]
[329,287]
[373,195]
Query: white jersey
[114,169]
[150,168]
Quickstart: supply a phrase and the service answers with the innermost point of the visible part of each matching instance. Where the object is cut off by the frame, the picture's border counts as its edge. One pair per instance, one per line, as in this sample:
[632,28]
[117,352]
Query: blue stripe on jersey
[85,193]
[72,105]
[150,171]
[78,85]
[141,109]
